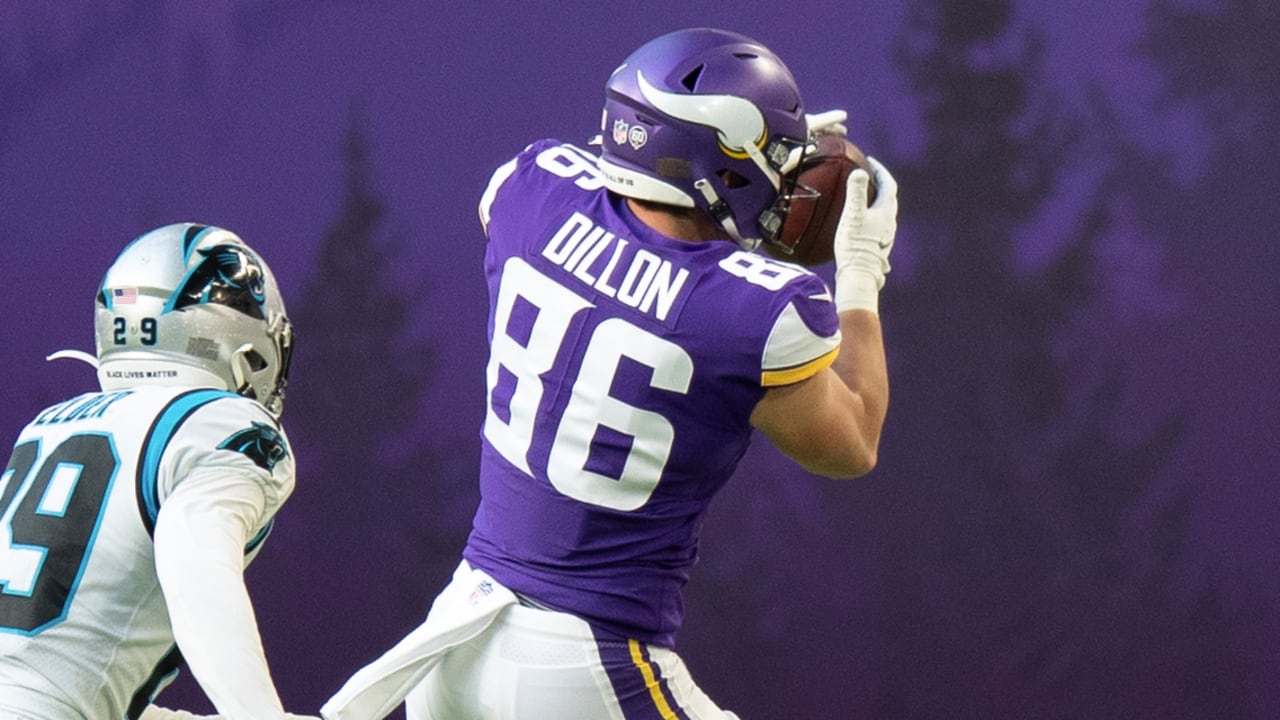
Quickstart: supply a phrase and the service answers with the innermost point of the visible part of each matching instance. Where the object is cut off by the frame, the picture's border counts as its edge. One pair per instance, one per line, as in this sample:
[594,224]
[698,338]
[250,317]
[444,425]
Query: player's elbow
[854,462]
[858,465]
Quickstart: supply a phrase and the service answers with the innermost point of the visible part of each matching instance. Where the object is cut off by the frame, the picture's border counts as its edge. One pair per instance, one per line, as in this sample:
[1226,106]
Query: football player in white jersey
[127,516]
[636,344]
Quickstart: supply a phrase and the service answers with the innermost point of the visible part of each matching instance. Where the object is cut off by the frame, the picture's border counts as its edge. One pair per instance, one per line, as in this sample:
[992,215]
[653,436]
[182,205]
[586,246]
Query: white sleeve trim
[792,344]
[491,191]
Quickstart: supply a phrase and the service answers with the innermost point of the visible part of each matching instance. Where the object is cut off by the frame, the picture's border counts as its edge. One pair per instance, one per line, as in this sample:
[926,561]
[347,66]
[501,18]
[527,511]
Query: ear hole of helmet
[733,180]
[257,363]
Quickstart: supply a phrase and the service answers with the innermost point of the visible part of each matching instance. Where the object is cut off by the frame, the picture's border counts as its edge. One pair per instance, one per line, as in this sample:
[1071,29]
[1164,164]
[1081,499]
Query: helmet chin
[121,373]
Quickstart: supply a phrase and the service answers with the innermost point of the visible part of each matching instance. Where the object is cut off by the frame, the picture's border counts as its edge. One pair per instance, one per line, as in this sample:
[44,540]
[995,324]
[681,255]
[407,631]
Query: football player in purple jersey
[636,342]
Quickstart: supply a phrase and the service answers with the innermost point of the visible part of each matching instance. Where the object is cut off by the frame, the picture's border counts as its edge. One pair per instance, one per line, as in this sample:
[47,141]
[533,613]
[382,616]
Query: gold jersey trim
[788,376]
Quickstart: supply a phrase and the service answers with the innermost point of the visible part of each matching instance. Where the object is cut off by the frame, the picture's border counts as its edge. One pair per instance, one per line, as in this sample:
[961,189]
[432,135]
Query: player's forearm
[830,424]
[218,635]
[199,559]
[862,367]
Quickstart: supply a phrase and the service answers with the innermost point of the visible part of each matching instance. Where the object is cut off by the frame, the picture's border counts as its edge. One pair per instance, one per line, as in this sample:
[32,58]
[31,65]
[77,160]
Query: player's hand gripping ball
[810,226]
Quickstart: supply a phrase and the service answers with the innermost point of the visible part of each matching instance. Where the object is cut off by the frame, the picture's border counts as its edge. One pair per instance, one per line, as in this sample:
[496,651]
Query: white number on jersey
[760,270]
[590,405]
[571,163]
[556,306]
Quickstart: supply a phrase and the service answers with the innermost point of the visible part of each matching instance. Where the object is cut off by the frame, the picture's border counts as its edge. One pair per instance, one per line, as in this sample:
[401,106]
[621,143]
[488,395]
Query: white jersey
[84,630]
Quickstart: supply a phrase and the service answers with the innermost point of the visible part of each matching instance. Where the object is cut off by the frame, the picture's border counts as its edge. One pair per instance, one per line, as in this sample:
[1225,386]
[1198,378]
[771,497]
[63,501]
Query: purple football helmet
[705,118]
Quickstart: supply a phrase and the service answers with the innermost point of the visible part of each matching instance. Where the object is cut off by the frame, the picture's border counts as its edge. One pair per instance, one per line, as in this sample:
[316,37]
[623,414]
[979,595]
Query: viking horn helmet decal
[737,121]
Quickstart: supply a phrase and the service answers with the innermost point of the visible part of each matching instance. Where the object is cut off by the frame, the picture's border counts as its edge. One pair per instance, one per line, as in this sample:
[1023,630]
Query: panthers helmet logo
[226,275]
[261,443]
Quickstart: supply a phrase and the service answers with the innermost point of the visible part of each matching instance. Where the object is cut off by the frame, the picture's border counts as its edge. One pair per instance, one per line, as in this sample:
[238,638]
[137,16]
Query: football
[810,226]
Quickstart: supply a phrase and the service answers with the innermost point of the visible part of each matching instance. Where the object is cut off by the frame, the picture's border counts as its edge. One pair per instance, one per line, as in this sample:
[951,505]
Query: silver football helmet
[191,304]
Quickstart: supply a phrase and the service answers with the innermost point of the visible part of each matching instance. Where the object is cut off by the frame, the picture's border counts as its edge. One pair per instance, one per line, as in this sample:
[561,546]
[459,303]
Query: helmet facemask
[255,377]
[792,193]
[779,166]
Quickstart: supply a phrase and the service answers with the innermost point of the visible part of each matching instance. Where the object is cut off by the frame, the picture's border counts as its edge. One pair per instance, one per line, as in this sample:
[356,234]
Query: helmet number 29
[532,318]
[146,331]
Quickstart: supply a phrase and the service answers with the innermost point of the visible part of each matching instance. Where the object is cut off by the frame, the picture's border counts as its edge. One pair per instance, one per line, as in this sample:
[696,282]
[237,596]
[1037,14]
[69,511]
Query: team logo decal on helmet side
[737,121]
[190,237]
[261,443]
[226,275]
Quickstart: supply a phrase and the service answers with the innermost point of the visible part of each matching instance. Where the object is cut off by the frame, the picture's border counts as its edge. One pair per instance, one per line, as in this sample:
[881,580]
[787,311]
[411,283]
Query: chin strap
[80,355]
[719,210]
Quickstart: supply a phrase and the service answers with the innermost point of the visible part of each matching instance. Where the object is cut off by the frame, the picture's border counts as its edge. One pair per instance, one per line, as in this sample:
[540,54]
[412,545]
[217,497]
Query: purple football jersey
[623,369]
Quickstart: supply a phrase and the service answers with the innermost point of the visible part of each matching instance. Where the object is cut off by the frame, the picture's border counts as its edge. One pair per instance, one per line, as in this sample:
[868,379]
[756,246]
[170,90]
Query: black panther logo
[261,443]
[227,275]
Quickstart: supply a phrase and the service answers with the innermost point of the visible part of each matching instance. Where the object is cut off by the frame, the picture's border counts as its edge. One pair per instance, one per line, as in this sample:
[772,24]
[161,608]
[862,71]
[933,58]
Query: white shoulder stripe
[792,343]
[495,181]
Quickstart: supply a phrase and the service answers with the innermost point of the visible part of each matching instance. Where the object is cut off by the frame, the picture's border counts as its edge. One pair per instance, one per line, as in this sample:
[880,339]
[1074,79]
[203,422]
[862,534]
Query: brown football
[810,226]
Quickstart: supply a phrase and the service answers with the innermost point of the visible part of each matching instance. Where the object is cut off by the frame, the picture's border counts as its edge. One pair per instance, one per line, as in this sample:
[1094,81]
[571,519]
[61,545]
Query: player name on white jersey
[81,408]
[635,277]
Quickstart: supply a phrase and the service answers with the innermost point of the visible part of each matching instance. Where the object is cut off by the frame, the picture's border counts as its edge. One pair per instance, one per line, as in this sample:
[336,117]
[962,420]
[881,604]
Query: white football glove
[864,238]
[829,122]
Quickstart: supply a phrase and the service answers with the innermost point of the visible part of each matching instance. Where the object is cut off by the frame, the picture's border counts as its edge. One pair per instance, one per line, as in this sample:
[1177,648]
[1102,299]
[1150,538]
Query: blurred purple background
[1074,512]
